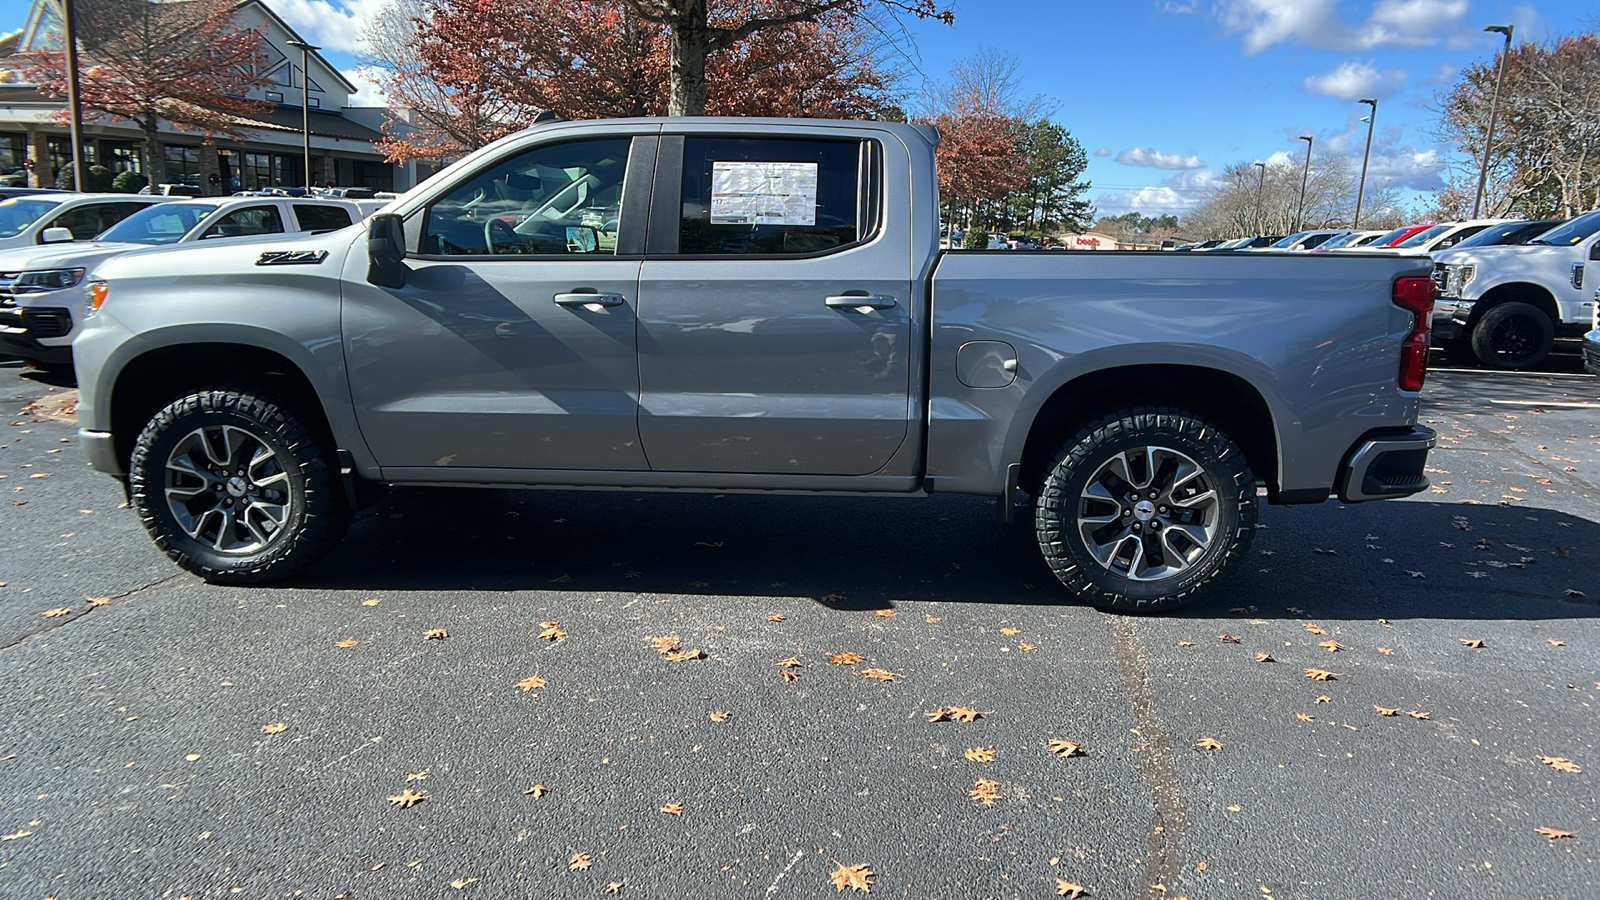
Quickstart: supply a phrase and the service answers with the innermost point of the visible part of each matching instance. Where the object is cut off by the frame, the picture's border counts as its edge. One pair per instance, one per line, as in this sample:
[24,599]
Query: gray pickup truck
[745,305]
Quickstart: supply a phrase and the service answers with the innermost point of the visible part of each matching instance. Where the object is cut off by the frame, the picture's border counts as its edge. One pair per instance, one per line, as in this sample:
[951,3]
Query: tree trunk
[150,151]
[691,41]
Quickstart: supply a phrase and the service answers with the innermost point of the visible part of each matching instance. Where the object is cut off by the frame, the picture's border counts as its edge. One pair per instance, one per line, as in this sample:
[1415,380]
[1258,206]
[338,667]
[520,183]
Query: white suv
[24,220]
[43,289]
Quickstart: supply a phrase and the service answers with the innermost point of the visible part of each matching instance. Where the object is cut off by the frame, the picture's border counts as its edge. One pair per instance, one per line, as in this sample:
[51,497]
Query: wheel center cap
[237,487]
[1144,510]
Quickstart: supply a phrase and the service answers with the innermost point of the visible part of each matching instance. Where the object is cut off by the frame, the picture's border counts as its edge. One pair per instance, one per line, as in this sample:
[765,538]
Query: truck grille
[7,280]
[47,323]
[1441,279]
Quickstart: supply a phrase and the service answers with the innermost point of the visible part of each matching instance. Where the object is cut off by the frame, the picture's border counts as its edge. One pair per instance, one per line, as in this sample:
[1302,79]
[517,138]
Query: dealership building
[267,151]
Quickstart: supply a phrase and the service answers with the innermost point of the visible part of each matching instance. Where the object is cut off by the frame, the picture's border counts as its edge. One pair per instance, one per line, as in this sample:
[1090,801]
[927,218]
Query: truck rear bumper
[1386,463]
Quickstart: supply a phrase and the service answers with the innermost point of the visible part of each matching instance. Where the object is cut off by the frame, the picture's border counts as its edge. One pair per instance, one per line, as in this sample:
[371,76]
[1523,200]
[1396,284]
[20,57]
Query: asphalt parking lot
[143,755]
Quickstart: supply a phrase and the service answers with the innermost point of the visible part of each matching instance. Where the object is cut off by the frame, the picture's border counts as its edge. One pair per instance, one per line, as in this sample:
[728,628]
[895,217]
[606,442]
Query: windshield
[1573,232]
[1340,241]
[1424,236]
[1508,233]
[163,223]
[1390,236]
[18,213]
[1292,239]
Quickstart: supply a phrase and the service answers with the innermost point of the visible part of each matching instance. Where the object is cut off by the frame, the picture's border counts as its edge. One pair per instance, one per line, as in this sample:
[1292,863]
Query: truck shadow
[1409,559]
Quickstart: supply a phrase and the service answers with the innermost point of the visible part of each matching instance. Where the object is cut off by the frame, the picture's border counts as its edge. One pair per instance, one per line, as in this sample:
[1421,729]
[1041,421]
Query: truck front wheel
[1143,509]
[236,487]
[1513,336]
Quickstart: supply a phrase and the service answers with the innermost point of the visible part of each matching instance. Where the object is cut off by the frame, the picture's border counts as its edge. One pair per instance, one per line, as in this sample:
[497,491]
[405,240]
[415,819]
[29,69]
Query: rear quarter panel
[1316,336]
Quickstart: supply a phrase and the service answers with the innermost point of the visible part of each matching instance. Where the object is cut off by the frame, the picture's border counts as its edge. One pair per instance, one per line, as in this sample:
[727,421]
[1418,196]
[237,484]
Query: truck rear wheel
[1143,509]
[236,487]
[1513,336]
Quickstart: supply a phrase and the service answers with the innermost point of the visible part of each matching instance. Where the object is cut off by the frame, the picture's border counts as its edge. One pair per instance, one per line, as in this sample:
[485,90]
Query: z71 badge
[292,258]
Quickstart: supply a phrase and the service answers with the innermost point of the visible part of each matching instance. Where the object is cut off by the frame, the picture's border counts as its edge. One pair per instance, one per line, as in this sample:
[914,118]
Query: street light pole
[1261,177]
[74,102]
[305,103]
[1299,212]
[1361,191]
[1494,109]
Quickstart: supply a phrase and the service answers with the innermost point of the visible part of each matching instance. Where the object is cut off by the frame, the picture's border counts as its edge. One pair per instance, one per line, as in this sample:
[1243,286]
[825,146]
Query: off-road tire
[1513,336]
[1058,502]
[317,513]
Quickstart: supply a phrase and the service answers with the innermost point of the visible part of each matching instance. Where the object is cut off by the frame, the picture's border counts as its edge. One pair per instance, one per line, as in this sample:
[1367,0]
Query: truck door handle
[860,301]
[589,298]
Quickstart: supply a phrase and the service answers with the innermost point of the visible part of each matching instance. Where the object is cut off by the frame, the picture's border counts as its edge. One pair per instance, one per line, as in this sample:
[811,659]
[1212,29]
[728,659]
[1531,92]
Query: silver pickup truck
[745,305]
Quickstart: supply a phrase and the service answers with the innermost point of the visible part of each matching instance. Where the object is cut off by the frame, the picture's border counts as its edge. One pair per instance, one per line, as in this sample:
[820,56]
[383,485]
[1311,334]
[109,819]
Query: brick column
[39,152]
[209,166]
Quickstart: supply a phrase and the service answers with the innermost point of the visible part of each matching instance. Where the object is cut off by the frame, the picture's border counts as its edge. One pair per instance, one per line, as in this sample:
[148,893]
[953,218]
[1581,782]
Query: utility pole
[1300,211]
[74,102]
[1494,109]
[305,103]
[1361,191]
[1261,177]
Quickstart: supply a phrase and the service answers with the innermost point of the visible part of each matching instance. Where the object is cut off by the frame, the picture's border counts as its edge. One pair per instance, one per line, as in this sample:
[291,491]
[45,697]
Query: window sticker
[763,193]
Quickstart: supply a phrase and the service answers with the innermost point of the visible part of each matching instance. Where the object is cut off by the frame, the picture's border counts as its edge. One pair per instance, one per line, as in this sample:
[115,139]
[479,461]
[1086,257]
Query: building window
[183,165]
[256,172]
[274,97]
[376,175]
[13,150]
[120,156]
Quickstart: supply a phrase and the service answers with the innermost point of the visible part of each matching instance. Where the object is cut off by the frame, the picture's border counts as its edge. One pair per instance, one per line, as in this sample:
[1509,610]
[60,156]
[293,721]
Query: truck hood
[220,260]
[1518,257]
[87,254]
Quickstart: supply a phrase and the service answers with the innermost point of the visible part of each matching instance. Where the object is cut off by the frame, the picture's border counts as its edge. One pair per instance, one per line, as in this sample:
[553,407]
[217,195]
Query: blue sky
[1164,93]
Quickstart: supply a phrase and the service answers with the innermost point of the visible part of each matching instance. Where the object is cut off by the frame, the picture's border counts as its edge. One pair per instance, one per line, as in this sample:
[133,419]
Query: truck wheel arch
[1224,397]
[154,378]
[1515,292]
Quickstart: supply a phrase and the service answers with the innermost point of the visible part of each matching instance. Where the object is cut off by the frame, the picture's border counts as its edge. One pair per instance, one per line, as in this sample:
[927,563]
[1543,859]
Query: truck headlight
[47,280]
[98,291]
[1467,274]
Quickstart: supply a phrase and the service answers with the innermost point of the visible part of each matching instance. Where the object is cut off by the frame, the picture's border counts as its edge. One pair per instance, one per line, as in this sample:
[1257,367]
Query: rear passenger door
[320,217]
[774,309]
[90,219]
[246,221]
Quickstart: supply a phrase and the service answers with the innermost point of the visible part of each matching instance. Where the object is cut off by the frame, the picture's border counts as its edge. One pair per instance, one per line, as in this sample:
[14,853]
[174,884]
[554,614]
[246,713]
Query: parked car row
[46,255]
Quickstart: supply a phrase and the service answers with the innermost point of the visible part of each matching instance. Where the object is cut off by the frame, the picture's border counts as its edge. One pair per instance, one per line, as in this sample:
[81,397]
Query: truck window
[250,220]
[555,199]
[316,217]
[88,220]
[770,196]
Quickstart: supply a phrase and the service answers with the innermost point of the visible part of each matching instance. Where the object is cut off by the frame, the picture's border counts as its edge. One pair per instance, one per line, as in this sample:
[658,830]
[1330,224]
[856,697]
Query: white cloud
[1103,151]
[1407,167]
[368,93]
[1317,23]
[1354,80]
[1139,156]
[336,25]
[1176,195]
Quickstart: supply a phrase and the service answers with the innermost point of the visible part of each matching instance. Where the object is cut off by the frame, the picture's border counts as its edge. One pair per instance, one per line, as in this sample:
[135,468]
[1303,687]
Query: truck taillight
[1414,295]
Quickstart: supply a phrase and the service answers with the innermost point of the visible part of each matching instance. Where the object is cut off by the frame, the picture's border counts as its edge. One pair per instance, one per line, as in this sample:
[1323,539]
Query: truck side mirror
[386,251]
[56,235]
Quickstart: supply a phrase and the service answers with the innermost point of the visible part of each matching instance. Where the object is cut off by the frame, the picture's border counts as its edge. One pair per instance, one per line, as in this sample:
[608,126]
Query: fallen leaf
[614,887]
[347,642]
[964,714]
[1321,675]
[1064,748]
[1555,643]
[460,883]
[845,659]
[685,655]
[531,683]
[1186,643]
[1415,574]
[857,877]
[1560,764]
[537,791]
[792,662]
[1417,714]
[980,754]
[56,613]
[1227,638]
[720,715]
[933,620]
[1070,889]
[274,728]
[1010,632]
[1553,834]
[552,631]
[97,601]
[664,644]
[421,775]
[1386,651]
[878,674]
[791,675]
[1305,717]
[579,862]
[985,791]
[15,835]
[1264,657]
[776,617]
[435,634]
[372,602]
[1201,866]
[1208,743]
[1474,643]
[1026,647]
[1385,623]
[1563,552]
[1386,711]
[1324,698]
[1314,629]
[884,613]
[938,715]
[407,798]
[673,809]
[1572,592]
[1332,646]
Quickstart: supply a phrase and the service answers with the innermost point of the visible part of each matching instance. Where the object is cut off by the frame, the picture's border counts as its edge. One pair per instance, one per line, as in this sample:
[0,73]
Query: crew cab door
[512,344]
[775,308]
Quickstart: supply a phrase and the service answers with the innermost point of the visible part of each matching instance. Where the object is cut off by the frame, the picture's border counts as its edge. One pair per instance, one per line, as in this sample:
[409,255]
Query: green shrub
[975,240]
[100,178]
[128,182]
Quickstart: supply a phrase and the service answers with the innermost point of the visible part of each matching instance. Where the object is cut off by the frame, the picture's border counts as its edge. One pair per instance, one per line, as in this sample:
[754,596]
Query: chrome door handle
[588,298]
[860,301]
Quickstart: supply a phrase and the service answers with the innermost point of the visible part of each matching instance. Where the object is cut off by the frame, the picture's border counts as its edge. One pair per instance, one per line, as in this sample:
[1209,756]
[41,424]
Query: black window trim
[631,212]
[294,210]
[666,200]
[207,233]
